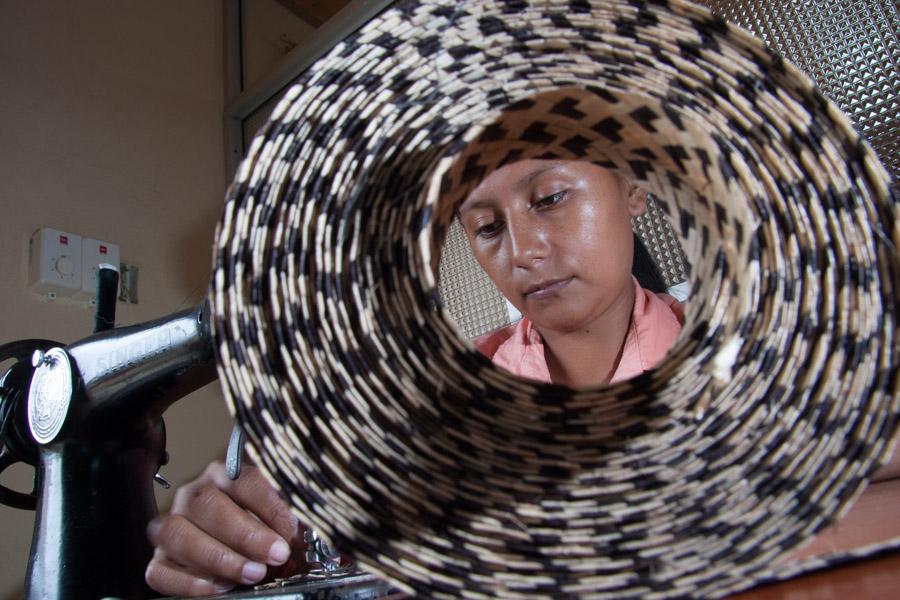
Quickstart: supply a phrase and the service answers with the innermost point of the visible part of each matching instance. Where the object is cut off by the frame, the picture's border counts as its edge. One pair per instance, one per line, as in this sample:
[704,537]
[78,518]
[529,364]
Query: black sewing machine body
[88,417]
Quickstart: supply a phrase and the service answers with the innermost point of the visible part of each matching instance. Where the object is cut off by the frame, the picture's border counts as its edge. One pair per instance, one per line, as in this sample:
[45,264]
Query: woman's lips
[545,289]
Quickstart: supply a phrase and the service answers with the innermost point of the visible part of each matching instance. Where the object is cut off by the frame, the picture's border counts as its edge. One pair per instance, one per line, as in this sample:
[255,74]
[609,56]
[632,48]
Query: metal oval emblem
[49,395]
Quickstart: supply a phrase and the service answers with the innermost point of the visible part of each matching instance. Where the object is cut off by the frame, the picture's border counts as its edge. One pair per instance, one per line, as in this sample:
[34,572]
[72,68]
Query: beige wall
[111,121]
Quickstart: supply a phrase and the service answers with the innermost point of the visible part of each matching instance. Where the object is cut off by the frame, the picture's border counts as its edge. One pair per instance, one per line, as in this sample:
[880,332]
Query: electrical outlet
[93,254]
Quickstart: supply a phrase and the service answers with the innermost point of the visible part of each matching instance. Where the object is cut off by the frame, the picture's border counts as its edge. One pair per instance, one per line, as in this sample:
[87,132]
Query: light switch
[54,262]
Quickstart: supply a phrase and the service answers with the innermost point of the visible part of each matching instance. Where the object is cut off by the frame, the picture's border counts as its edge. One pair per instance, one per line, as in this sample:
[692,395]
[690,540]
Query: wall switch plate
[93,254]
[54,262]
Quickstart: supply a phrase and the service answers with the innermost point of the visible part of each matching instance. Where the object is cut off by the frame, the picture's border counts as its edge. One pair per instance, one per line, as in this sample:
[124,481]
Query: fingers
[297,562]
[171,579]
[254,493]
[181,542]
[221,533]
[229,516]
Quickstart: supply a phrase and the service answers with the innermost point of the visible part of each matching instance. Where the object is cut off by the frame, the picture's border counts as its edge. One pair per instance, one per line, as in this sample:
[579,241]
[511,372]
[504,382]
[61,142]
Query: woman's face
[555,237]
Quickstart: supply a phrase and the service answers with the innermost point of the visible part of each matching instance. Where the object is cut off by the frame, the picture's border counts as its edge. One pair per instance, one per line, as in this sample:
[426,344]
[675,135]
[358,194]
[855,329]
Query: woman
[555,237]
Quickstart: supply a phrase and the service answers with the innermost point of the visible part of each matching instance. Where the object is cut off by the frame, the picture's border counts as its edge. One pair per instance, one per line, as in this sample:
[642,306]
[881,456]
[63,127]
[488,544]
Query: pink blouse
[655,323]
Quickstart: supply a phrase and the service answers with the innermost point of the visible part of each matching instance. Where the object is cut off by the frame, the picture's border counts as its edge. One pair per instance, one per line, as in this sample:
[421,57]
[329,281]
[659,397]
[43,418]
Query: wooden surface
[867,579]
[874,579]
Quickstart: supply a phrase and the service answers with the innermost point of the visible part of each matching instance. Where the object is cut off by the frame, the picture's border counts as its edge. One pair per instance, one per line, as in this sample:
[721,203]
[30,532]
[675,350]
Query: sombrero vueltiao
[403,446]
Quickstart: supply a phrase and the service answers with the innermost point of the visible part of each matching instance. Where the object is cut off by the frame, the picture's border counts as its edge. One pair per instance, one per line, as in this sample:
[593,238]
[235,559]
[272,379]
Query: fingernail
[253,572]
[153,530]
[279,552]
[222,586]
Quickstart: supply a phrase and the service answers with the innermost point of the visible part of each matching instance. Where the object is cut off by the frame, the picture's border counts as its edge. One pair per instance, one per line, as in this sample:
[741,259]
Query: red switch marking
[102,249]
[64,240]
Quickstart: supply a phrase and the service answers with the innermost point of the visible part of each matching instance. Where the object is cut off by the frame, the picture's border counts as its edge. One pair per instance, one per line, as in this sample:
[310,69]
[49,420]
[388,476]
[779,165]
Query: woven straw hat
[403,446]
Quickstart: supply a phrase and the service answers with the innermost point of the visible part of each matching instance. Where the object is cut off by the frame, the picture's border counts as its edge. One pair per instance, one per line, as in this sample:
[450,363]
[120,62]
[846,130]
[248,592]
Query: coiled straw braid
[405,447]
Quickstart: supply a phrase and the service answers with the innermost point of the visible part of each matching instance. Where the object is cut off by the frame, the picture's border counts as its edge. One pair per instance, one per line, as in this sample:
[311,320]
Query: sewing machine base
[345,585]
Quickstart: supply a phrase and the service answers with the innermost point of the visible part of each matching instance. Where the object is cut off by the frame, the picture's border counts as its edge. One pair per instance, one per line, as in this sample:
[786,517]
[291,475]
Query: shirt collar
[651,332]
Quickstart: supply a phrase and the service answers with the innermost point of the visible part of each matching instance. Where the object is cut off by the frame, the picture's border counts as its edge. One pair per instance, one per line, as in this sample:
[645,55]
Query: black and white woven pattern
[405,447]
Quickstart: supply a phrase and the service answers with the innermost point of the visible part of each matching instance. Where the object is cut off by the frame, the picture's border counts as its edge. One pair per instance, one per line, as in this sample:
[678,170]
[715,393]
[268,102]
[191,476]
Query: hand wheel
[16,443]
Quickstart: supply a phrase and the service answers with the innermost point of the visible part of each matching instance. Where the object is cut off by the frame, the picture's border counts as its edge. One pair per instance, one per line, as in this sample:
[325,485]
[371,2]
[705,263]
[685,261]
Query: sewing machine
[88,417]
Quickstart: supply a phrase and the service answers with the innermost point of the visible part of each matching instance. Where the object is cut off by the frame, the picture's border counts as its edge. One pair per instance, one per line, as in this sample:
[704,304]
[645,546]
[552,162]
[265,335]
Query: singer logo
[103,249]
[142,350]
[64,240]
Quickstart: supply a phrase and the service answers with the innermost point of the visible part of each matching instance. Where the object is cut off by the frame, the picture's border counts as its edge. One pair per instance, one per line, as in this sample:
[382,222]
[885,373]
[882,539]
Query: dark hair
[644,268]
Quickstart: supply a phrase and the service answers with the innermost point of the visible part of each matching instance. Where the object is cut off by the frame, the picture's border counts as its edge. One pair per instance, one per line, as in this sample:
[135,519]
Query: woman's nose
[528,240]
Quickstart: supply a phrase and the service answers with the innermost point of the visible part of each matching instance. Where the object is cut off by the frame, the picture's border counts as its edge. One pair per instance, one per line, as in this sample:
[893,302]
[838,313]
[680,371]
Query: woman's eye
[550,200]
[489,230]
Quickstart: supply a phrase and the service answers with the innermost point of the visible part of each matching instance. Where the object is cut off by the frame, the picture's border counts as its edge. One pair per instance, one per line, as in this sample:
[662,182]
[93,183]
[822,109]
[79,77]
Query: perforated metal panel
[660,240]
[850,48]
[466,290]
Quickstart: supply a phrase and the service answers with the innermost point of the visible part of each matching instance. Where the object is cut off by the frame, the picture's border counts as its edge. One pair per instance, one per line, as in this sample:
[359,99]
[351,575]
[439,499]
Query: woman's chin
[561,322]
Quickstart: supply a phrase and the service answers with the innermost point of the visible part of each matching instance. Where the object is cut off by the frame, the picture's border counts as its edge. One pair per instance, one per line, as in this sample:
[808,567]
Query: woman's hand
[221,533]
